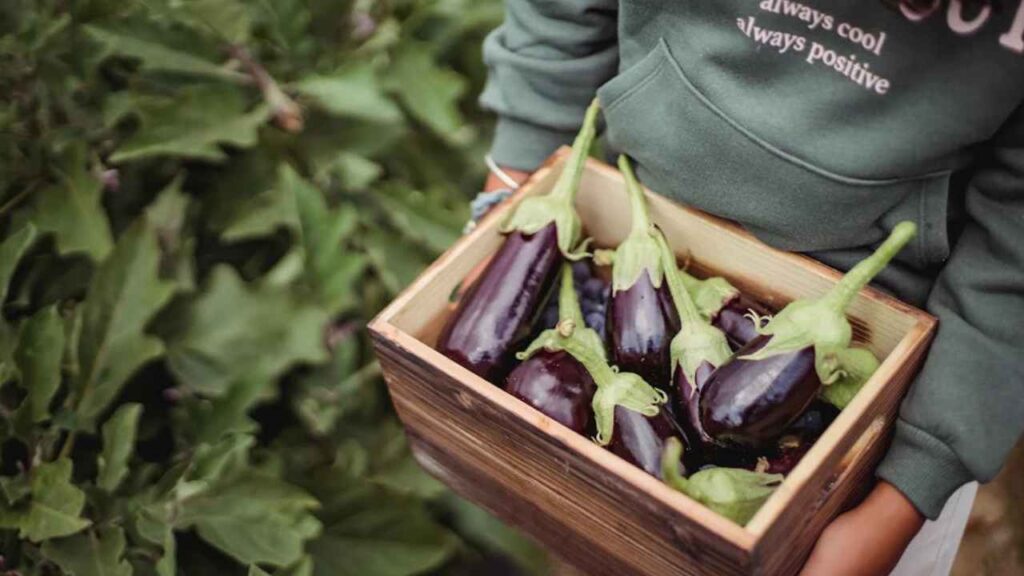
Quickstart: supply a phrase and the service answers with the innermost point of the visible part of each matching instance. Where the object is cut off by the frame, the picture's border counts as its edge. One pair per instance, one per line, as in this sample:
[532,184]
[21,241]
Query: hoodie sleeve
[544,65]
[965,412]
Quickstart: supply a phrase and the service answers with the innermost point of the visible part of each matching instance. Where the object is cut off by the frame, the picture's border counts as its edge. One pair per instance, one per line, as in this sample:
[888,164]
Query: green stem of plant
[670,465]
[640,213]
[568,181]
[840,296]
[568,302]
[680,296]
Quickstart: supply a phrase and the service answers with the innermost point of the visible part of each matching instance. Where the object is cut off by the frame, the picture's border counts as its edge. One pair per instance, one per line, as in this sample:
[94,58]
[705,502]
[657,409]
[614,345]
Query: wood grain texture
[590,507]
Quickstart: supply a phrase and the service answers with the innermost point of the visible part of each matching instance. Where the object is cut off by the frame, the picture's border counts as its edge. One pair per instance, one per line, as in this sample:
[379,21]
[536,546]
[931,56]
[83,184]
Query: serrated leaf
[72,210]
[118,445]
[38,356]
[55,506]
[11,250]
[194,124]
[253,518]
[353,92]
[167,215]
[233,331]
[227,20]
[156,56]
[262,214]
[331,268]
[153,525]
[354,171]
[95,553]
[375,534]
[125,293]
[429,92]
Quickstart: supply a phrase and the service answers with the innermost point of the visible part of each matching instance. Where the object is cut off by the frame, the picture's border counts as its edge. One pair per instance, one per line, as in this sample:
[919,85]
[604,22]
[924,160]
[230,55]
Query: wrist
[889,507]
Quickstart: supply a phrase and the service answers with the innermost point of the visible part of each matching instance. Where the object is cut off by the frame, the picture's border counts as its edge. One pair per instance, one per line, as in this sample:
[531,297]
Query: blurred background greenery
[202,202]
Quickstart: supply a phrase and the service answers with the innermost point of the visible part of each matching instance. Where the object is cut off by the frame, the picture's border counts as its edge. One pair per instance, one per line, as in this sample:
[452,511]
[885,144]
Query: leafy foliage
[202,202]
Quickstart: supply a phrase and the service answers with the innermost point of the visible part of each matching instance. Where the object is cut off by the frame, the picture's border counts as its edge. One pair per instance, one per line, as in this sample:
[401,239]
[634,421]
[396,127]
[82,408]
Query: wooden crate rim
[746,537]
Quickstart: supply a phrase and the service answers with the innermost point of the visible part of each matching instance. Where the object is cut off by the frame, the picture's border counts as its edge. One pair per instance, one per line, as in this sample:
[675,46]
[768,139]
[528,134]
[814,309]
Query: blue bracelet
[482,204]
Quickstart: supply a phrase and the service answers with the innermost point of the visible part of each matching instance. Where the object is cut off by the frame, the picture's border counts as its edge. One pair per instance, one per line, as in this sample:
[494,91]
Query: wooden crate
[586,505]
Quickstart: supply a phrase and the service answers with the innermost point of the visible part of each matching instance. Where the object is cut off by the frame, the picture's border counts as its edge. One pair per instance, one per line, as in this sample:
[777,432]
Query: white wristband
[501,174]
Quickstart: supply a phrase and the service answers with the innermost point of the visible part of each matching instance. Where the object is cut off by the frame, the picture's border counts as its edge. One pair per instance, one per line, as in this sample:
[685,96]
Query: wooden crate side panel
[535,463]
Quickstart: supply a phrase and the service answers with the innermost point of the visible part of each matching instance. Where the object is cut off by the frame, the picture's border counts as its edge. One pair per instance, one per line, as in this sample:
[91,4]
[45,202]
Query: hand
[868,540]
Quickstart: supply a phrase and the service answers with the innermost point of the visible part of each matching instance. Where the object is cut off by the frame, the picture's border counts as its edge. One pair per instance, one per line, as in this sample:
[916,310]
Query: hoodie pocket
[688,147]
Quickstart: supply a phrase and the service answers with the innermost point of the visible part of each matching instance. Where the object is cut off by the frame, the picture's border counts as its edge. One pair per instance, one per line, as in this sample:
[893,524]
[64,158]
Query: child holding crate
[818,126]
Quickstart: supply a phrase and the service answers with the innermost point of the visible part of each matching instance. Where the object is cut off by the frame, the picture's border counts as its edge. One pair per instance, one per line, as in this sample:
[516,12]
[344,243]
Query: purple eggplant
[557,385]
[729,310]
[750,400]
[572,344]
[697,349]
[641,439]
[550,378]
[496,313]
[641,316]
[482,335]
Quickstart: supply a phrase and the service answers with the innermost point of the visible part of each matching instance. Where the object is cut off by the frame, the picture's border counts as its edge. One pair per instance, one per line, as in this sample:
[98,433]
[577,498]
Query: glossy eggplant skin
[733,320]
[640,440]
[556,384]
[641,323]
[497,312]
[750,403]
[687,396]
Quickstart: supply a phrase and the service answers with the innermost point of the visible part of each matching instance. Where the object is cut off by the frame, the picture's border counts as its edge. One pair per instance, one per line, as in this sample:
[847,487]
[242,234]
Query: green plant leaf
[421,220]
[194,124]
[167,214]
[253,518]
[153,525]
[395,262]
[226,20]
[54,508]
[429,92]
[232,331]
[353,92]
[38,356]
[125,293]
[11,250]
[331,268]
[118,445]
[72,210]
[156,56]
[94,553]
[374,534]
[263,213]
[256,571]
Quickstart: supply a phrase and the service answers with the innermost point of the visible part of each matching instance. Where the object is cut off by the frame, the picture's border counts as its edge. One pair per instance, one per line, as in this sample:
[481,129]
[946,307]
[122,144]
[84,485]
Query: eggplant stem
[840,296]
[670,465]
[640,213]
[683,301]
[758,320]
[568,182]
[568,303]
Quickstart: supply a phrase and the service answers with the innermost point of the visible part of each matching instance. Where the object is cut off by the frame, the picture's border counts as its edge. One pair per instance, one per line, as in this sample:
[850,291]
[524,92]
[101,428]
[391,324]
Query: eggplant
[735,493]
[557,385]
[751,399]
[497,312]
[550,378]
[641,315]
[730,310]
[615,389]
[697,349]
[640,440]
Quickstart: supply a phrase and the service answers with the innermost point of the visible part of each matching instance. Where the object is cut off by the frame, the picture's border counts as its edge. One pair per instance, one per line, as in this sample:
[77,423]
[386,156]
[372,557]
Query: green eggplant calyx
[571,334]
[822,322]
[710,295]
[559,205]
[734,493]
[624,389]
[857,366]
[758,321]
[695,344]
[639,252]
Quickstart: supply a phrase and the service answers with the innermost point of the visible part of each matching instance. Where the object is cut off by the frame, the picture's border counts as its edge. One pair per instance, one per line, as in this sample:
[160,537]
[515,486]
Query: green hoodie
[818,126]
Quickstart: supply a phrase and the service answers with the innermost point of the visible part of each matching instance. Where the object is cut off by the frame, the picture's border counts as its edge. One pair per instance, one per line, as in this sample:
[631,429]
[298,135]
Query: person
[818,125]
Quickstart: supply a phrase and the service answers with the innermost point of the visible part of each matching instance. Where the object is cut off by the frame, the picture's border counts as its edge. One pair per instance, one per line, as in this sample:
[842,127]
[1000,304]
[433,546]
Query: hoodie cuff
[523,146]
[923,468]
